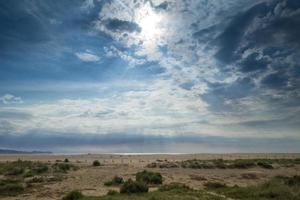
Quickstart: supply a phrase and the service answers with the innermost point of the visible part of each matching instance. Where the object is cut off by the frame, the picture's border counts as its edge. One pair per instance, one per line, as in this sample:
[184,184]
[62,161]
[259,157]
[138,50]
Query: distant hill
[10,151]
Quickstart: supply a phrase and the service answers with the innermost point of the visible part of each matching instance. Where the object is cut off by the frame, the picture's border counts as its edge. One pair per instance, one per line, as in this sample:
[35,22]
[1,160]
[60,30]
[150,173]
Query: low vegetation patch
[74,195]
[10,188]
[225,164]
[174,191]
[279,188]
[214,185]
[63,167]
[175,187]
[96,163]
[149,177]
[131,186]
[24,168]
[116,181]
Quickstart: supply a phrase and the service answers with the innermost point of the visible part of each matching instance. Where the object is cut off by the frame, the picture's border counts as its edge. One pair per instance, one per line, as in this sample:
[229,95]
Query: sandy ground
[89,179]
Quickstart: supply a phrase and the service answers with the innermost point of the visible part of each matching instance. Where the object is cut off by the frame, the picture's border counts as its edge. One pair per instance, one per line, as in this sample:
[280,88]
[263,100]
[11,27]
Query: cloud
[116,25]
[254,62]
[218,68]
[11,99]
[87,56]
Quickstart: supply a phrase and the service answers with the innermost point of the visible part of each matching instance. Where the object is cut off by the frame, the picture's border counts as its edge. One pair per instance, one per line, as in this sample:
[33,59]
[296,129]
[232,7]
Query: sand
[90,180]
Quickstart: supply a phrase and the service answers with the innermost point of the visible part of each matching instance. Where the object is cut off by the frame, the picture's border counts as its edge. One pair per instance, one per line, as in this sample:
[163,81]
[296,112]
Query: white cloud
[87,56]
[11,99]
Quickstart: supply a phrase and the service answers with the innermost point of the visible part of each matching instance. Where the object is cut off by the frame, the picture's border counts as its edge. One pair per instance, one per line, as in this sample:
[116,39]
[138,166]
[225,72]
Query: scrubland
[150,177]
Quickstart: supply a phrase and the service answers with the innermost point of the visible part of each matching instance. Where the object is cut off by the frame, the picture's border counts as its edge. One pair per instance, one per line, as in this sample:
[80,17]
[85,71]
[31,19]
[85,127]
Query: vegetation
[18,176]
[265,165]
[279,188]
[131,186]
[66,160]
[175,187]
[149,177]
[116,181]
[63,167]
[112,192]
[10,188]
[96,163]
[74,195]
[214,185]
[24,168]
[225,164]
[174,191]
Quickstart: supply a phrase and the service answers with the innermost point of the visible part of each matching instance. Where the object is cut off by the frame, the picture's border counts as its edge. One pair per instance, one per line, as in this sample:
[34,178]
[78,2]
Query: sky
[126,76]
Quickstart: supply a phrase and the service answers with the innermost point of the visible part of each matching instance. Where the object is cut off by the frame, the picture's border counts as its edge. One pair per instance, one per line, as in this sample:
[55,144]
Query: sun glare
[150,23]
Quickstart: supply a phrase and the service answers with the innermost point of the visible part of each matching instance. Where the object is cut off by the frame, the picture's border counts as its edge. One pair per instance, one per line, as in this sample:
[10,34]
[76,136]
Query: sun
[149,22]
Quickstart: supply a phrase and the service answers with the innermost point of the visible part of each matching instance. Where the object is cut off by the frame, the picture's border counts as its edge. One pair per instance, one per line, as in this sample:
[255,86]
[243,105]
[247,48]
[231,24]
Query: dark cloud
[232,36]
[269,31]
[206,34]
[117,25]
[253,63]
[220,92]
[275,80]
[162,6]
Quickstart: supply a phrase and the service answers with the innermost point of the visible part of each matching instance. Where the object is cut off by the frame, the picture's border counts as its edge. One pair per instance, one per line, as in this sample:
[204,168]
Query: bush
[96,163]
[10,188]
[28,173]
[175,187]
[131,186]
[242,164]
[14,171]
[66,160]
[149,177]
[293,181]
[74,195]
[63,167]
[265,165]
[40,168]
[112,192]
[115,181]
[214,185]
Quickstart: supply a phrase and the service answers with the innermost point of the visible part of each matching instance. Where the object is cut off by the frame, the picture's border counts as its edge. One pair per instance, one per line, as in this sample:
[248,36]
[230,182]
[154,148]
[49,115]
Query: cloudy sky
[150,76]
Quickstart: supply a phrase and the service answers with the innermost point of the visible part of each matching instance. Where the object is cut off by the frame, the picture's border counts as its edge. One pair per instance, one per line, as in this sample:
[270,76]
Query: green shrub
[174,187]
[10,188]
[40,168]
[96,163]
[149,177]
[293,181]
[15,171]
[74,195]
[66,160]
[131,186]
[265,165]
[242,164]
[112,192]
[115,181]
[63,167]
[28,173]
[220,164]
[214,185]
